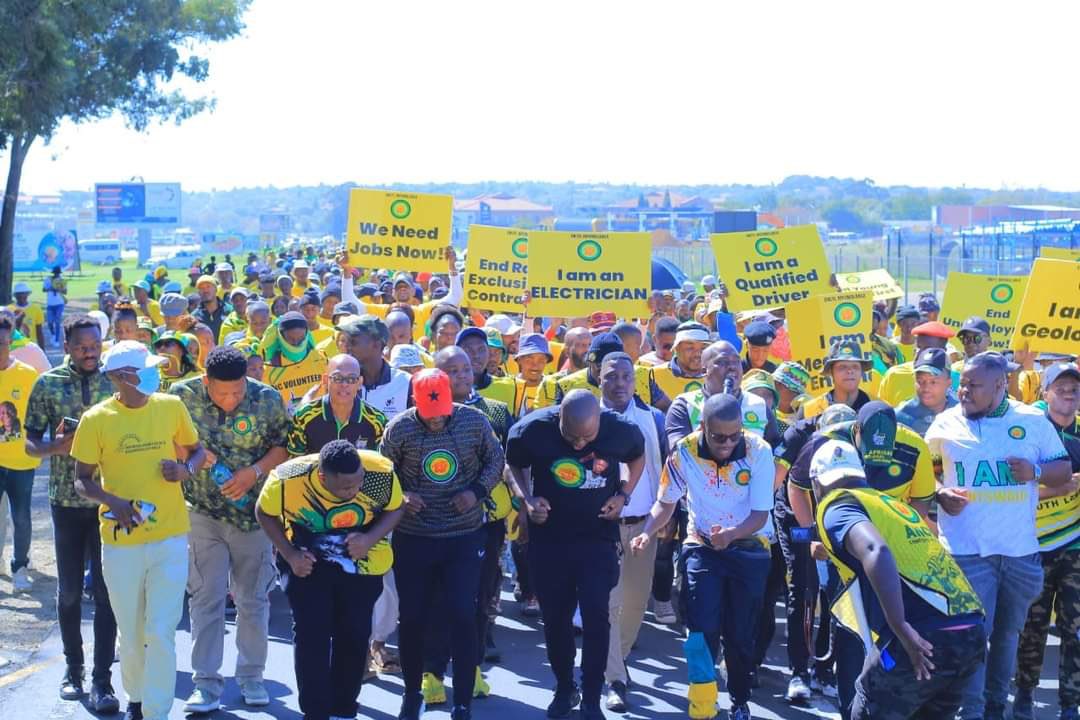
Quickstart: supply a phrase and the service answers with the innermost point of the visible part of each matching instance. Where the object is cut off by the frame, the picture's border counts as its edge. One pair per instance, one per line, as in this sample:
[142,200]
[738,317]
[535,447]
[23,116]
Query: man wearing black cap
[759,338]
[1059,548]
[474,342]
[384,388]
[974,335]
[267,286]
[929,307]
[565,468]
[907,317]
[933,393]
[995,452]
[293,364]
[589,378]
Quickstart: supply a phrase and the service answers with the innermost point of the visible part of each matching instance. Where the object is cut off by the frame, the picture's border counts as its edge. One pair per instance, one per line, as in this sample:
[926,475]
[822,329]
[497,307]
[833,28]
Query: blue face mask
[149,380]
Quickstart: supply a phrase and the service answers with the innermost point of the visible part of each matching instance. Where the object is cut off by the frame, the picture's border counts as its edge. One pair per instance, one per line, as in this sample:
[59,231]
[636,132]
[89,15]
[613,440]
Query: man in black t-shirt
[565,468]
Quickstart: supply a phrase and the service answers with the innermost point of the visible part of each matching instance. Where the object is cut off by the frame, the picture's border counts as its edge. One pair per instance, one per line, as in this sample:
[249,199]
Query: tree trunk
[18,146]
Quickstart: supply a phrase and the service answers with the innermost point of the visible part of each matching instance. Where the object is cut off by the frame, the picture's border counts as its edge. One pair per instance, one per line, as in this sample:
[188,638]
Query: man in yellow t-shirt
[133,439]
[33,314]
[898,384]
[16,467]
[328,516]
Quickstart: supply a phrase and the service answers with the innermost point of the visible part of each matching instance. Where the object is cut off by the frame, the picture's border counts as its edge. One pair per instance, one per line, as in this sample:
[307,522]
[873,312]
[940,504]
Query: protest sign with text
[993,297]
[771,268]
[1055,253]
[575,274]
[817,322]
[879,282]
[1049,315]
[496,268]
[398,230]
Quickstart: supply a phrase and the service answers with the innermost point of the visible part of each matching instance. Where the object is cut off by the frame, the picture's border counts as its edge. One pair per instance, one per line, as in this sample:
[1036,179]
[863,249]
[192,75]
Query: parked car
[179,260]
[104,251]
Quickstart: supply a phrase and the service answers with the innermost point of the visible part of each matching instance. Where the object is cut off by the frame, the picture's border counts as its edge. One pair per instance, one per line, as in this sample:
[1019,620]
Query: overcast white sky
[930,93]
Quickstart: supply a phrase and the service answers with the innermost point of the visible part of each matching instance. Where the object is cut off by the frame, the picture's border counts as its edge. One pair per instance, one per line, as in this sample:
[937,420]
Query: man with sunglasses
[338,414]
[974,336]
[726,475]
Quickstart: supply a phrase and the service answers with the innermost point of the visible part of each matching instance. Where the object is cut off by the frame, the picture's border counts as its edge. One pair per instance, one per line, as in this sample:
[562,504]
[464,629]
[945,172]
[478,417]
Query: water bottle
[222,475]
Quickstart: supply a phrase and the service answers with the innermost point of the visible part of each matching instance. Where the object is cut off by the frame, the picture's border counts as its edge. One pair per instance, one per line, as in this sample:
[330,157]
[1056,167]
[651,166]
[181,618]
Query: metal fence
[915,272]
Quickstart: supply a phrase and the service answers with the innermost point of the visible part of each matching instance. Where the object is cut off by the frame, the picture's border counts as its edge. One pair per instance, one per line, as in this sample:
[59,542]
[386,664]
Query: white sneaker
[664,612]
[202,701]
[826,688]
[254,693]
[20,581]
[797,690]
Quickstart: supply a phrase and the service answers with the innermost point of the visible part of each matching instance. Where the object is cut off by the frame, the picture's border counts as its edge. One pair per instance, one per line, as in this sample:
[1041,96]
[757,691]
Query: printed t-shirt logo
[346,516]
[742,477]
[568,473]
[692,386]
[751,417]
[242,425]
[894,470]
[904,510]
[1017,433]
[440,466]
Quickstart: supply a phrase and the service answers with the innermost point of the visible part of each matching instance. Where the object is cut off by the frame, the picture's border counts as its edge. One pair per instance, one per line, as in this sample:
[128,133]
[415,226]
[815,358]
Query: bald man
[565,468]
[336,412]
[726,475]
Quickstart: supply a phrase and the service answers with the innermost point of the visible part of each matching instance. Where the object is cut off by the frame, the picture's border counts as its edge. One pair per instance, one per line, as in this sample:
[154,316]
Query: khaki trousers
[628,601]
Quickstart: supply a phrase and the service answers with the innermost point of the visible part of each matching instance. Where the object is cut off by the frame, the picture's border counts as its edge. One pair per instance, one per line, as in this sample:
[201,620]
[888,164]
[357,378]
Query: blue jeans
[19,487]
[54,319]
[1006,586]
[725,590]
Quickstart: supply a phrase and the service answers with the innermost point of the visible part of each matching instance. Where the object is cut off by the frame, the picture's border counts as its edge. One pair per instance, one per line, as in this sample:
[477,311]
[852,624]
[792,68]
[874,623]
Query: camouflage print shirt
[239,439]
[59,393]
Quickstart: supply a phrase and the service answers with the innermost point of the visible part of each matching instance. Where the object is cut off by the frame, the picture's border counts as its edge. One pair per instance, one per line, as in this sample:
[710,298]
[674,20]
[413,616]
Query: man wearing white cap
[509,330]
[302,272]
[684,373]
[708,284]
[133,439]
[224,274]
[35,317]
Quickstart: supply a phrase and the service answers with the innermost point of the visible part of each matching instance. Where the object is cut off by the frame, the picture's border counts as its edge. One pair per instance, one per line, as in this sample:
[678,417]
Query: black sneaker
[460,712]
[564,702]
[71,686]
[588,711]
[134,711]
[491,653]
[412,707]
[615,699]
[103,699]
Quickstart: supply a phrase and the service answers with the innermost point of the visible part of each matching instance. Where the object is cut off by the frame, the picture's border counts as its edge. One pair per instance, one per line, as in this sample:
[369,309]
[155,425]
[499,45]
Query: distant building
[684,217]
[500,210]
[958,217]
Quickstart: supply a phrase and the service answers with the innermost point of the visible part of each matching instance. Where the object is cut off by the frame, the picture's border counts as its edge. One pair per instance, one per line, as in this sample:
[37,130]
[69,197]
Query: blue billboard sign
[137,203]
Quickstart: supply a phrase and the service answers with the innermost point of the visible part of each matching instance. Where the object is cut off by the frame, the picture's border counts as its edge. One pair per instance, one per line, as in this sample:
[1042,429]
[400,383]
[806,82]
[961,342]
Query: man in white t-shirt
[994,452]
[726,475]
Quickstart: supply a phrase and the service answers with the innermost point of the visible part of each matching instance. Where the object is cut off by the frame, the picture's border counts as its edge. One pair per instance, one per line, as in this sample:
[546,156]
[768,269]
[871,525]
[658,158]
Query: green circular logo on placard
[589,250]
[1001,293]
[520,248]
[766,247]
[568,473]
[902,509]
[853,278]
[347,516]
[400,209]
[440,466]
[847,314]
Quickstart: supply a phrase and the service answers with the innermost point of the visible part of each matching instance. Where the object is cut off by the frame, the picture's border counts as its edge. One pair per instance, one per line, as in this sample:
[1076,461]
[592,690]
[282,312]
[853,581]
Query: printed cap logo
[440,466]
[847,314]
[766,247]
[347,516]
[589,250]
[1017,433]
[1001,293]
[242,425]
[520,247]
[568,473]
[400,209]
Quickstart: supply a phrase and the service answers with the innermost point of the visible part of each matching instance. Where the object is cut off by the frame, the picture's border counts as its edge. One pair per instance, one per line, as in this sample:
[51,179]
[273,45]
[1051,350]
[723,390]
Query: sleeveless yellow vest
[675,386]
[924,565]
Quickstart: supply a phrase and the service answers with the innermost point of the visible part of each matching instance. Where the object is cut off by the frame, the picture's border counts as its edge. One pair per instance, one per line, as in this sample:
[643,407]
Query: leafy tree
[85,60]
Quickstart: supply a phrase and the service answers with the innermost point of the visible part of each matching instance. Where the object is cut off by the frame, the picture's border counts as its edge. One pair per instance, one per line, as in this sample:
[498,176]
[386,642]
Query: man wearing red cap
[898,385]
[449,461]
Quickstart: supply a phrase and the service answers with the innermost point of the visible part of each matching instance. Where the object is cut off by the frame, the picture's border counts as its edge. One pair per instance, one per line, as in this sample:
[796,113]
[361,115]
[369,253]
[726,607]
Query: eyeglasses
[721,438]
[339,379]
[971,338]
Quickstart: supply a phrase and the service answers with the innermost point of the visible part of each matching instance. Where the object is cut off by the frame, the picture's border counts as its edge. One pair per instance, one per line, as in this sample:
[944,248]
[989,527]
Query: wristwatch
[626,498]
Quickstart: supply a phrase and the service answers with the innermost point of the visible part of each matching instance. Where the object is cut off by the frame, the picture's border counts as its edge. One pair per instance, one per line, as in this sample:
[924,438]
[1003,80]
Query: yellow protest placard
[575,274]
[398,230]
[879,282]
[1049,316]
[770,269]
[1054,253]
[495,268]
[815,323]
[993,297]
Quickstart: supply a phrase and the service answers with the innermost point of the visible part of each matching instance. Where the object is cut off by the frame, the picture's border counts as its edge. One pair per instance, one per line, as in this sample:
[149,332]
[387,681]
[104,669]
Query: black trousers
[566,575]
[77,539]
[448,570]
[437,642]
[519,551]
[800,593]
[331,612]
[775,588]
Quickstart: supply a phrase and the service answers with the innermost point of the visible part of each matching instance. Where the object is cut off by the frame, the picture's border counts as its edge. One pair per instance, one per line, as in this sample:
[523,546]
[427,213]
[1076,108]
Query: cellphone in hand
[68,425]
[803,534]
